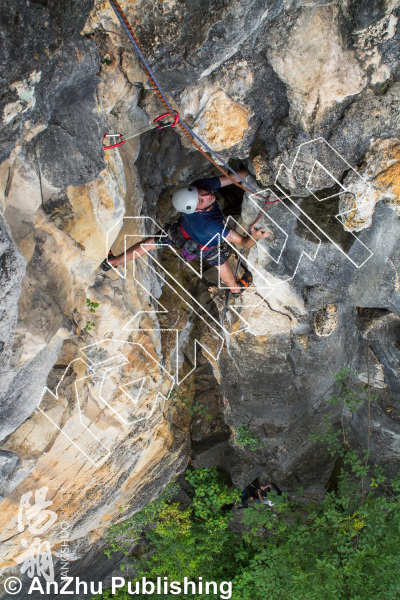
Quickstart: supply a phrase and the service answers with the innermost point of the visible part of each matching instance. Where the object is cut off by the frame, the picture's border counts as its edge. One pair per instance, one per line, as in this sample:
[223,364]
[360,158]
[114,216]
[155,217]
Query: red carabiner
[166,115]
[113,145]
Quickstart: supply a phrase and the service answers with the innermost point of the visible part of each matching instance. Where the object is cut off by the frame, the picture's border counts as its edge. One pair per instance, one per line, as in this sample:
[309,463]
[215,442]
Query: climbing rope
[194,139]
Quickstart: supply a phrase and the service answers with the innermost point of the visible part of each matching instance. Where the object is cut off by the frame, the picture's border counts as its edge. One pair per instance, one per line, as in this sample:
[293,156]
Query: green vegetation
[244,437]
[349,390]
[89,323]
[123,534]
[194,407]
[183,541]
[346,547]
[92,307]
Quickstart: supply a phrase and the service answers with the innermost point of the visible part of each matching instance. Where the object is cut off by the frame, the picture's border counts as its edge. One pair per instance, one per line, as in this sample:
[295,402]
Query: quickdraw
[154,125]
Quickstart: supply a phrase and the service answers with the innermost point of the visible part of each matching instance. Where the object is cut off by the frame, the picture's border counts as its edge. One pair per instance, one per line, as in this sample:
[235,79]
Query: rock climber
[200,229]
[263,492]
[249,493]
[259,494]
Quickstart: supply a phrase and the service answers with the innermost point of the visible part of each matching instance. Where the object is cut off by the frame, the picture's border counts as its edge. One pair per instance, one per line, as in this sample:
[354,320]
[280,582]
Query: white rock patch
[26,93]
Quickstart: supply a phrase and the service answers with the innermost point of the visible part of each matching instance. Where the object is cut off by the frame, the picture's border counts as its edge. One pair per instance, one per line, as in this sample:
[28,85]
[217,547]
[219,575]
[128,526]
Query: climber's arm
[250,240]
[233,178]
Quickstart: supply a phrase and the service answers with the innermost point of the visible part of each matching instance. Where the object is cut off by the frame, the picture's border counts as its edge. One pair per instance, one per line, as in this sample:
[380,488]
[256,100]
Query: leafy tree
[346,547]
[188,542]
[122,535]
[193,541]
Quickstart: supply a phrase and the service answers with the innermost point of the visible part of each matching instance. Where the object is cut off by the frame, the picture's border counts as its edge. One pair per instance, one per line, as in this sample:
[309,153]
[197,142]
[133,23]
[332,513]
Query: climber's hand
[114,261]
[259,234]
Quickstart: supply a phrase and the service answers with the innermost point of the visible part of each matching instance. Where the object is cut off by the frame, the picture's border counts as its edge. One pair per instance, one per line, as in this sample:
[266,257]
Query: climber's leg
[228,277]
[171,236]
[134,251]
[218,258]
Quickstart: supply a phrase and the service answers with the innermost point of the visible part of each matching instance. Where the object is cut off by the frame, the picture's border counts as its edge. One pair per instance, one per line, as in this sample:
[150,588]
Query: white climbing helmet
[185,199]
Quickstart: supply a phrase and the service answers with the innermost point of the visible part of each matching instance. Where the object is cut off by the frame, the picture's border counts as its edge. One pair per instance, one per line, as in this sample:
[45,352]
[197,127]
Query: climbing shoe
[104,265]
[244,282]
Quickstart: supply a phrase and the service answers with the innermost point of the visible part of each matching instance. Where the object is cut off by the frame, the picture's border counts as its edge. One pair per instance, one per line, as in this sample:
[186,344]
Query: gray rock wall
[274,86]
[301,73]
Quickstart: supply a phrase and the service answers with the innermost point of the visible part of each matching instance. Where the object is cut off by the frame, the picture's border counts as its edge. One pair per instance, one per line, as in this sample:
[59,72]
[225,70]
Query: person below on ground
[249,493]
[262,493]
[200,229]
[259,494]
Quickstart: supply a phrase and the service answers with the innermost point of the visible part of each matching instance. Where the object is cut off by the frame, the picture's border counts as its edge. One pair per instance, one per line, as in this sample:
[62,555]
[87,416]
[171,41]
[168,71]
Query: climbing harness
[195,139]
[153,125]
[190,250]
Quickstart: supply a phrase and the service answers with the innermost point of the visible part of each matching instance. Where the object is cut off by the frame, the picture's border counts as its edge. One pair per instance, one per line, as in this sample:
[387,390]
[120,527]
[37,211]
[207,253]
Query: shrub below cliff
[348,546]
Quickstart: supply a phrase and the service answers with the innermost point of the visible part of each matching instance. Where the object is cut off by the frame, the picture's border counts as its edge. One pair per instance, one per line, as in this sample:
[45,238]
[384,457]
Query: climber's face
[206,199]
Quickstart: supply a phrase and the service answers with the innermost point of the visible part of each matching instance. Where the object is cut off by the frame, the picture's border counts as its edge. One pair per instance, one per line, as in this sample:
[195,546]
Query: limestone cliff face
[306,95]
[84,396]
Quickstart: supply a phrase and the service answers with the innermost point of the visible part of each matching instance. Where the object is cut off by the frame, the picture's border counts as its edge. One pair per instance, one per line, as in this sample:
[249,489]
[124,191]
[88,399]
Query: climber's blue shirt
[203,226]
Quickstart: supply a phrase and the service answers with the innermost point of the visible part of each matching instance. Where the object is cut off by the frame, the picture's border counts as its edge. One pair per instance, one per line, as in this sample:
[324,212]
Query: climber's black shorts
[173,236]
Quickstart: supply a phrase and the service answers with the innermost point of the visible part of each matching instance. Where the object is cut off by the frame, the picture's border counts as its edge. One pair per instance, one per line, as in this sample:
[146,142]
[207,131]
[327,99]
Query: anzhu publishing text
[161,586]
